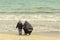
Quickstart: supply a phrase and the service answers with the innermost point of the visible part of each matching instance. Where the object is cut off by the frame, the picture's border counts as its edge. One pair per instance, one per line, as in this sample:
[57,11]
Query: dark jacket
[27,26]
[19,25]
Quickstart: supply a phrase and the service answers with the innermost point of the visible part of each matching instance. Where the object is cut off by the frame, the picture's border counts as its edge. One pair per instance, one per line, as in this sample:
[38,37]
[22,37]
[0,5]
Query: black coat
[19,25]
[27,26]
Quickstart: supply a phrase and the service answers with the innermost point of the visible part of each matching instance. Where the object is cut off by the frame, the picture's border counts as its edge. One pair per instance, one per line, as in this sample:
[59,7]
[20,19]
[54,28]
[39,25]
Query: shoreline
[7,36]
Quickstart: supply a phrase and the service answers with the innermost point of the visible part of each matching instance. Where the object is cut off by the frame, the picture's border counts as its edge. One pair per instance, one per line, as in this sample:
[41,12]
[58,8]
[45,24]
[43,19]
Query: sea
[43,15]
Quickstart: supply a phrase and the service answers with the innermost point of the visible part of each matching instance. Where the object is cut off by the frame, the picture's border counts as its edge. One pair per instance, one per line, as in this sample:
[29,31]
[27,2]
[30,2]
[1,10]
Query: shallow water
[41,22]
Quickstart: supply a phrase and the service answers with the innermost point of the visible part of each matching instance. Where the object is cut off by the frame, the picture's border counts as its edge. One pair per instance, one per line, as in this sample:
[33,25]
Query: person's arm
[24,26]
[17,26]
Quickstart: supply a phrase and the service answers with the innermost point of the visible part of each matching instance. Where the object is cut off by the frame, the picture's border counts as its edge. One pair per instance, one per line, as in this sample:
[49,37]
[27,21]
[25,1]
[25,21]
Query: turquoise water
[30,5]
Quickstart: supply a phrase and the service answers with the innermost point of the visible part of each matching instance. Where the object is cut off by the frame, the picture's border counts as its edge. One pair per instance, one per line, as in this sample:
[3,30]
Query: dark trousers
[27,32]
[20,31]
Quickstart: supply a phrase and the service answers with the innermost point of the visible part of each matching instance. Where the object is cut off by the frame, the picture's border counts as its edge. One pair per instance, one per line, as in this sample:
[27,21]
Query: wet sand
[5,36]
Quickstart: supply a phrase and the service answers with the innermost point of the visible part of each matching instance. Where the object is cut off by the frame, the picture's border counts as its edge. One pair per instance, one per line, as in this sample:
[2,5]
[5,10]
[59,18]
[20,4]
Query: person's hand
[16,27]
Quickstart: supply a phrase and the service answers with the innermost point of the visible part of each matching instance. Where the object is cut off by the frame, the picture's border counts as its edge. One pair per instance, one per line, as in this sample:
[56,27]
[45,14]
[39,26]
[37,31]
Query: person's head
[26,21]
[19,21]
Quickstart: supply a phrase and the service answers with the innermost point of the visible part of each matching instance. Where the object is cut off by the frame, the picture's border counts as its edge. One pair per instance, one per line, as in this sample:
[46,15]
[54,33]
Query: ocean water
[44,15]
[30,5]
[41,22]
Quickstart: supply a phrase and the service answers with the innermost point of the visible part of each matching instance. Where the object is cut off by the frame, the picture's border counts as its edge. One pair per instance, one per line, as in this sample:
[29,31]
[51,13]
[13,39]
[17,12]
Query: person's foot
[25,33]
[29,33]
[20,34]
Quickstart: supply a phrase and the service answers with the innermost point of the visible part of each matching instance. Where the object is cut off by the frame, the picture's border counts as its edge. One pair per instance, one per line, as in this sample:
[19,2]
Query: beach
[43,15]
[7,36]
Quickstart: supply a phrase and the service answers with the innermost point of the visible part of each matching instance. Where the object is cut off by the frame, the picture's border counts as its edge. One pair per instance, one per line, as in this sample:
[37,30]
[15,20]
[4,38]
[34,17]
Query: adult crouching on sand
[27,27]
[19,26]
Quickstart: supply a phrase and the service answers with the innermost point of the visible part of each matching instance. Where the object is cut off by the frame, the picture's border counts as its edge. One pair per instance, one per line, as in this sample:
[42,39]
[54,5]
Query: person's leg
[20,31]
[25,32]
[30,32]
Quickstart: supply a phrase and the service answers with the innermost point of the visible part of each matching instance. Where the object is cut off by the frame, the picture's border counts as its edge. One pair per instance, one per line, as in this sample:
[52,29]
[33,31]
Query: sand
[4,36]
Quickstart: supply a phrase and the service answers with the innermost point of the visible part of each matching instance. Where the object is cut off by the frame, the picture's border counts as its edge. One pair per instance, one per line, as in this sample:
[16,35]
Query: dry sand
[4,36]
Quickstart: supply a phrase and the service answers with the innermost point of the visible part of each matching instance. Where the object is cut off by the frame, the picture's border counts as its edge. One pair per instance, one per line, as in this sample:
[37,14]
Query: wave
[40,22]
